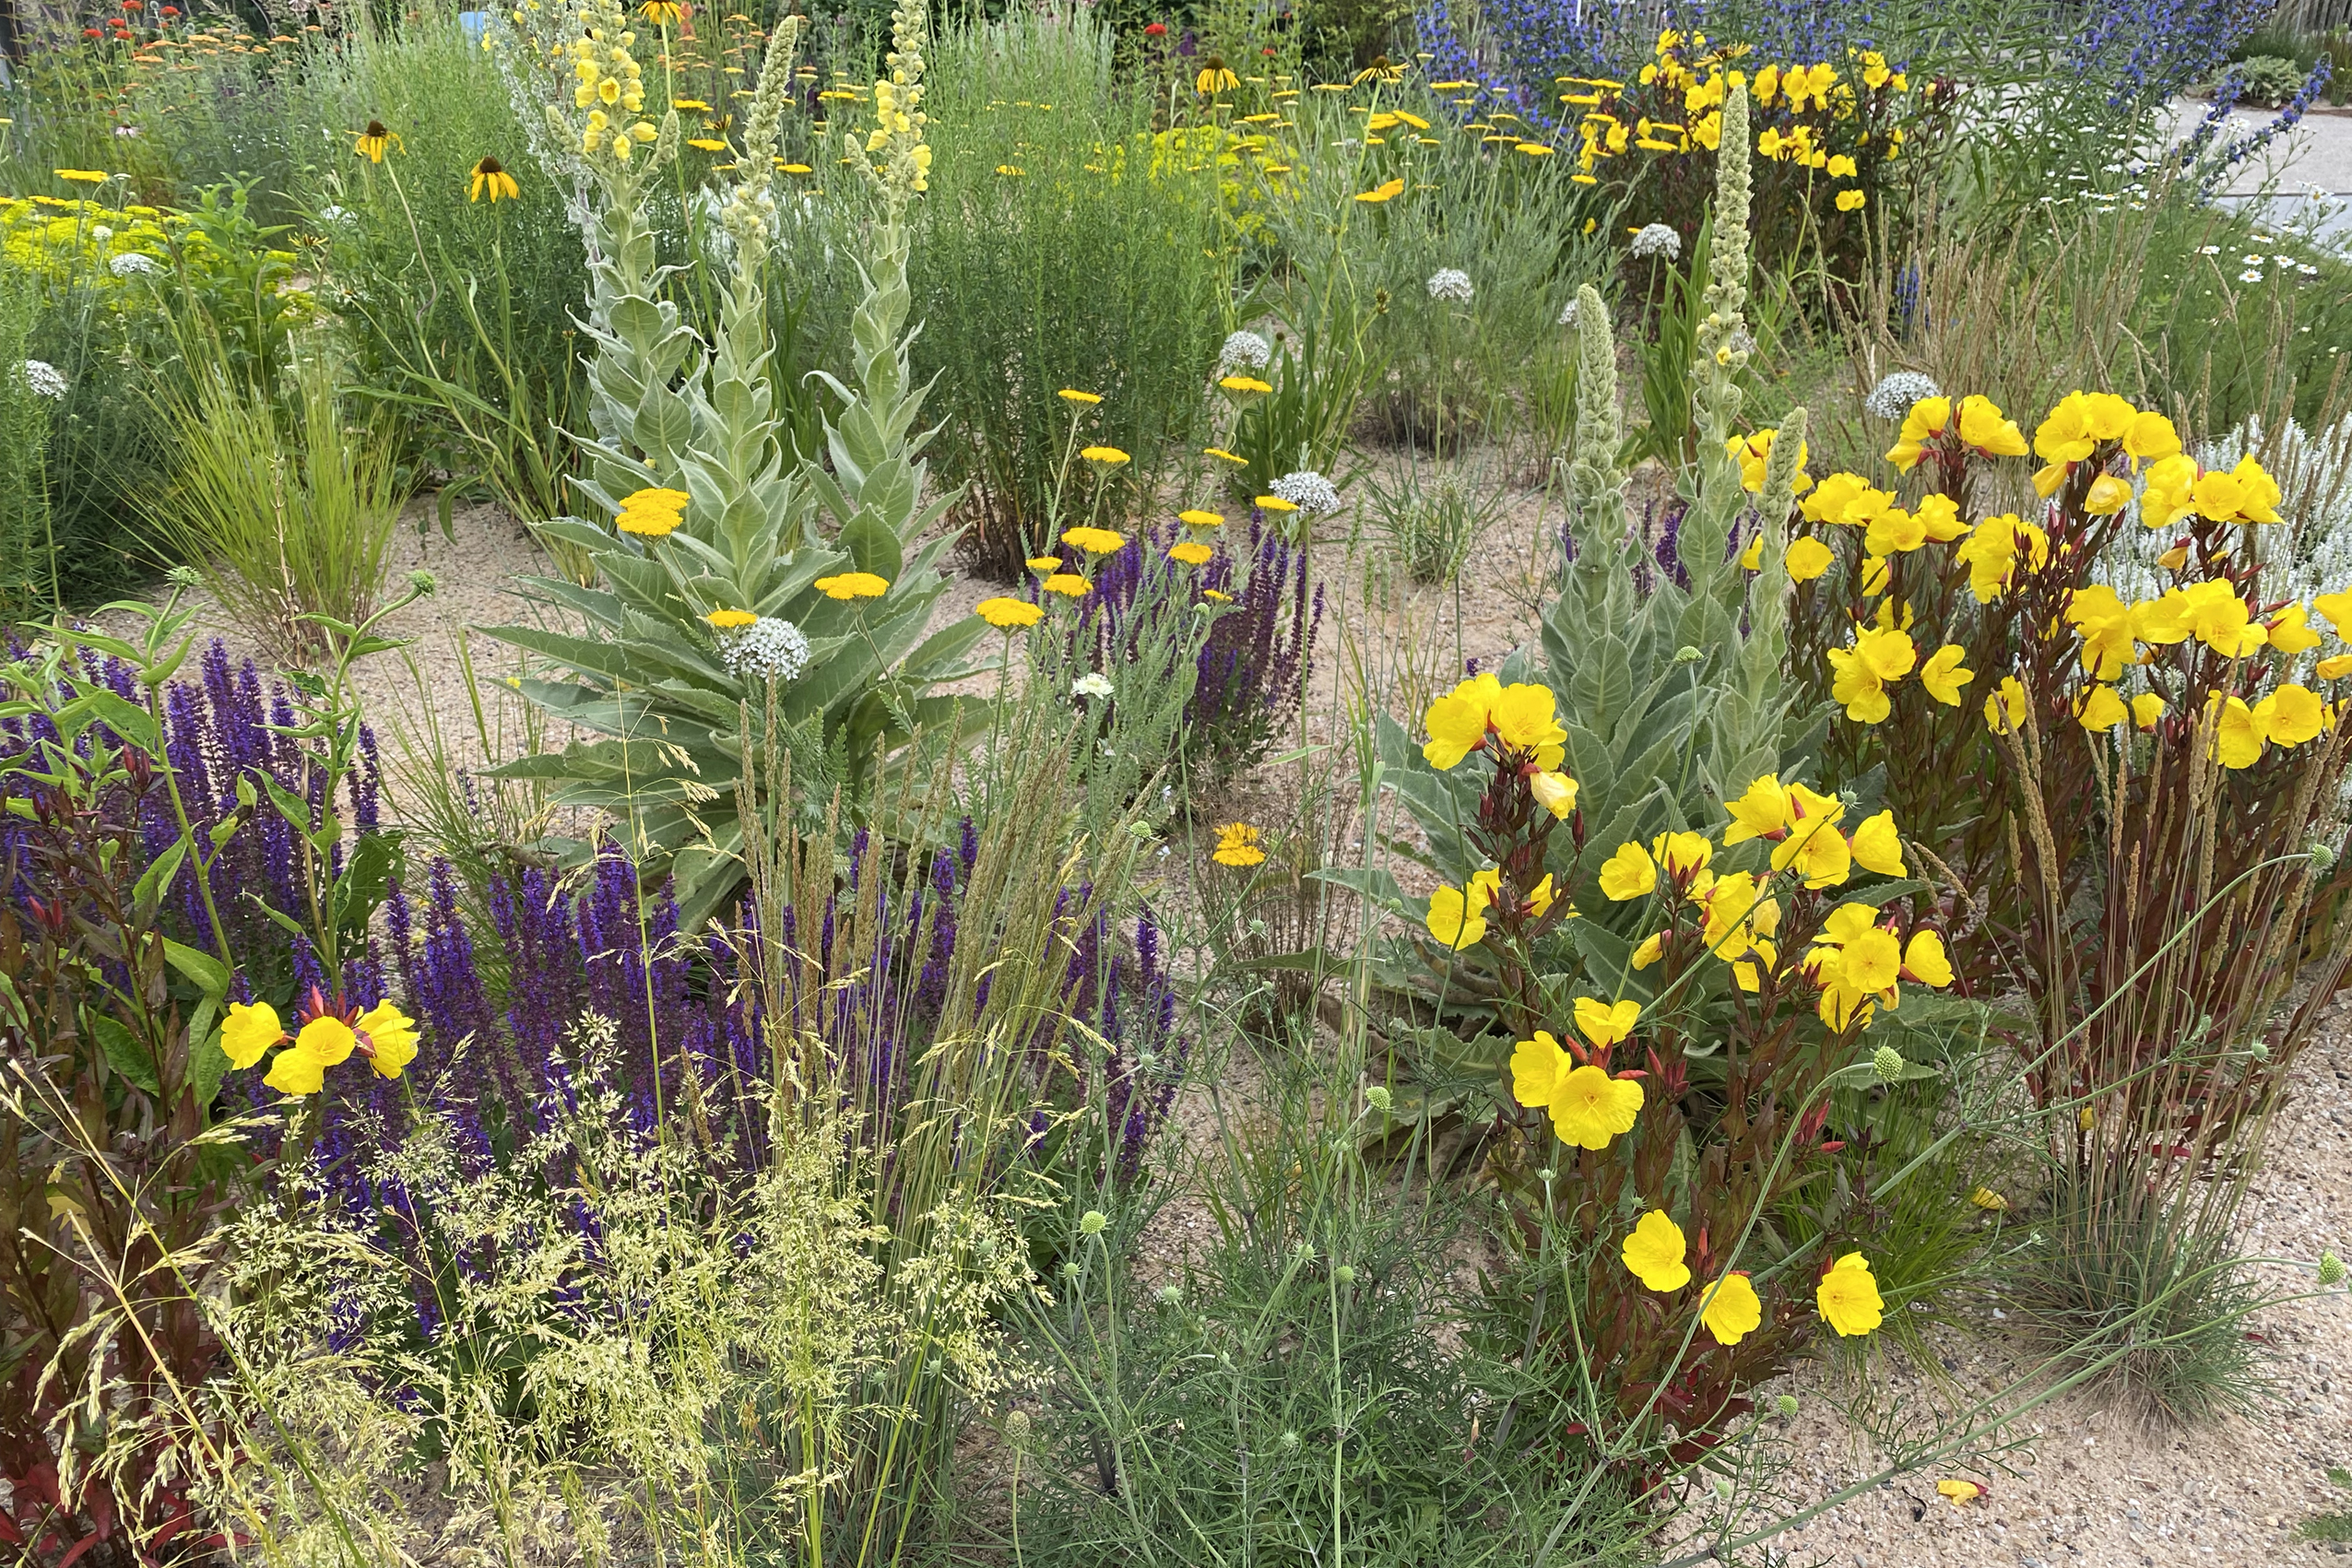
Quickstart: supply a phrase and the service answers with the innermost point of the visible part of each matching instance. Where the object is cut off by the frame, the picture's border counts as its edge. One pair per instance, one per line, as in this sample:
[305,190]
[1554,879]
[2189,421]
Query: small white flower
[1450,283]
[1243,352]
[1657,240]
[44,379]
[2309,271]
[1093,683]
[1893,397]
[2252,260]
[768,649]
[2208,250]
[1308,491]
[2252,275]
[335,215]
[133,264]
[1568,314]
[101,233]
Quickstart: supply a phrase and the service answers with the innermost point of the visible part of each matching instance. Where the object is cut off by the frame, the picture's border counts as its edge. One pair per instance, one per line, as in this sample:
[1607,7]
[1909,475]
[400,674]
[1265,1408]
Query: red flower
[1267,50]
[92,32]
[170,10]
[133,5]
[1157,29]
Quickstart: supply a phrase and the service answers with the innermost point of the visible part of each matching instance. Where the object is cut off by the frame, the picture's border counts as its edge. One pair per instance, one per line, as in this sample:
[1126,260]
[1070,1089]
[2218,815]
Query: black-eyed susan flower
[1383,70]
[489,178]
[1237,845]
[1095,541]
[1191,552]
[853,585]
[374,142]
[1008,614]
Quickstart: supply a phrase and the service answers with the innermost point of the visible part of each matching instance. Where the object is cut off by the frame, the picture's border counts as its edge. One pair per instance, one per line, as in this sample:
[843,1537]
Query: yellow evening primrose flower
[1237,845]
[1925,961]
[2148,707]
[300,1069]
[730,619]
[2289,632]
[248,1033]
[1807,558]
[1589,1108]
[391,1037]
[1652,948]
[1556,792]
[1682,854]
[1730,1311]
[1847,1297]
[2149,437]
[1984,429]
[1629,873]
[1959,1492]
[1009,614]
[2107,626]
[1761,812]
[1606,1023]
[1876,846]
[2100,709]
[1457,722]
[1525,720]
[1989,1200]
[1943,674]
[1191,553]
[2107,496]
[1538,1065]
[853,585]
[2211,612]
[2004,708]
[1458,918]
[1851,201]
[2170,494]
[1095,541]
[2291,714]
[2245,494]
[1653,1253]
[1067,584]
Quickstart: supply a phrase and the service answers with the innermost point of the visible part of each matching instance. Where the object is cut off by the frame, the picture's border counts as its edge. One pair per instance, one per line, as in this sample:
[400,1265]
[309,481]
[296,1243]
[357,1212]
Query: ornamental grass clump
[705,508]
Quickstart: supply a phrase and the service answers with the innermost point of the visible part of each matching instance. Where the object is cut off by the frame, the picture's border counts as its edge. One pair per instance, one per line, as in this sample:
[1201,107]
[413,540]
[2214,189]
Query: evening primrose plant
[746,593]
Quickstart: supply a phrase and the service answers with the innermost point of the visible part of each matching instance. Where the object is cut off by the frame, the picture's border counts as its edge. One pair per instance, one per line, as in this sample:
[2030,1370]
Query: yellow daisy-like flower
[1244,389]
[372,143]
[1095,541]
[1237,845]
[489,178]
[1223,455]
[1653,1252]
[1071,394]
[1197,518]
[661,12]
[1068,584]
[730,619]
[1008,615]
[1191,553]
[853,585]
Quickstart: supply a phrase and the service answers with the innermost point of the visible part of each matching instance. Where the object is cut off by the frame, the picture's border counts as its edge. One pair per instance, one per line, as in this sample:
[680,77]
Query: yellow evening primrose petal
[329,1040]
[1537,1067]
[1807,558]
[2292,715]
[1457,720]
[1238,844]
[2237,740]
[1761,812]
[1925,961]
[1943,674]
[2148,707]
[1453,921]
[1878,847]
[1628,874]
[1589,1108]
[2101,709]
[2289,632]
[392,1039]
[1606,1023]
[1653,1253]
[1730,1311]
[248,1033]
[1652,948]
[1524,719]
[1847,1297]
[296,1071]
[1555,792]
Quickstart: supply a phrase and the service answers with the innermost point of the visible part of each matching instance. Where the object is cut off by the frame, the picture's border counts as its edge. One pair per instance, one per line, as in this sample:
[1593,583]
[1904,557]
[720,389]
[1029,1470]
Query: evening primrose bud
[1886,1063]
[2332,1270]
[1556,792]
[1091,1223]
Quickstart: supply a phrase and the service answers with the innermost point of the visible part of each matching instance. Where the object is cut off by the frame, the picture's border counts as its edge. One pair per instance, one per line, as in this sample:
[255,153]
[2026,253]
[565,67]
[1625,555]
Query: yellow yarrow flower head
[730,619]
[1191,552]
[853,585]
[1237,845]
[1103,457]
[651,513]
[1095,541]
[1009,614]
[1196,518]
[1071,394]
[1069,585]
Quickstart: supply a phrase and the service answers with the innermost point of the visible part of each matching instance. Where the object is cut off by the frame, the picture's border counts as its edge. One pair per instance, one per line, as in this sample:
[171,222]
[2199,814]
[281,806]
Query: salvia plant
[733,567]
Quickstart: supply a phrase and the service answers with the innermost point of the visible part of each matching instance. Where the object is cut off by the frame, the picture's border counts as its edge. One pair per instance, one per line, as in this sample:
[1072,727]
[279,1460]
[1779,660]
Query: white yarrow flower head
[1450,283]
[1243,352]
[44,379]
[1093,683]
[1568,313]
[1893,397]
[1657,240]
[335,215]
[134,264]
[768,649]
[1308,490]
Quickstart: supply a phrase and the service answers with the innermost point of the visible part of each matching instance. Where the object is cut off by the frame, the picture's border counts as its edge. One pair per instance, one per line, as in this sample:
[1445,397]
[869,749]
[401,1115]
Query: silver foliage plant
[667,699]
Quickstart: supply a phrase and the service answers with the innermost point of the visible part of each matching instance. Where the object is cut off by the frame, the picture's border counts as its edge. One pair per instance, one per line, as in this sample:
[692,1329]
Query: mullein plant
[732,569]
[1666,1005]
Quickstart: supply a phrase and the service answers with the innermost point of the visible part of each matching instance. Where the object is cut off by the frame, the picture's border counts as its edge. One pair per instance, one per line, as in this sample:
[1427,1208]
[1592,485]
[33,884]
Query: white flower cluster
[44,379]
[134,264]
[1568,313]
[1893,397]
[1093,683]
[1450,283]
[768,649]
[1243,352]
[1308,490]
[1657,240]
